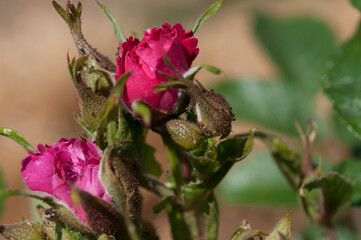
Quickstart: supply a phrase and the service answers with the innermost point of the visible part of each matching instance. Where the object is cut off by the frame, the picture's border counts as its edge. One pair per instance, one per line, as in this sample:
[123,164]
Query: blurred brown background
[38,100]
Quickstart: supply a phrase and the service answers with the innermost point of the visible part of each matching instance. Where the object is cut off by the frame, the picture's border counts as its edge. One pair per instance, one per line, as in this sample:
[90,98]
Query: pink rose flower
[64,164]
[144,60]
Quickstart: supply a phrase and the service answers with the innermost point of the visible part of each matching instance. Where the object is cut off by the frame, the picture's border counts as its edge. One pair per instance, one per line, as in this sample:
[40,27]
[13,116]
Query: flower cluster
[92,183]
[144,59]
[63,164]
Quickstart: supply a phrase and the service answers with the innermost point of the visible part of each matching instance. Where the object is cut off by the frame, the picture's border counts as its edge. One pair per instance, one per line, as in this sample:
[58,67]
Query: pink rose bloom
[64,164]
[144,60]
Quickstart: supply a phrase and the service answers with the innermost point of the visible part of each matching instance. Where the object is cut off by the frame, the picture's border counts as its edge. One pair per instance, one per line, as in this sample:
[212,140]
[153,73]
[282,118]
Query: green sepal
[282,231]
[164,86]
[72,16]
[24,231]
[208,13]
[60,10]
[246,233]
[91,102]
[101,215]
[117,30]
[99,73]
[17,138]
[87,131]
[111,119]
[121,186]
[143,110]
[65,214]
[191,73]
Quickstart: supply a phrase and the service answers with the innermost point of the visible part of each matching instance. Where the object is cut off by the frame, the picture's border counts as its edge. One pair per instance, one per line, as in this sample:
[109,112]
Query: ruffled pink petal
[168,100]
[125,48]
[137,87]
[36,170]
[62,192]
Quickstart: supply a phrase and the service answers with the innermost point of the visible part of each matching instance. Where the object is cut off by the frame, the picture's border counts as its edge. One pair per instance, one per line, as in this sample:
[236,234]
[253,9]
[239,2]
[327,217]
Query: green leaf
[357,4]
[272,104]
[300,48]
[196,190]
[148,160]
[144,152]
[283,229]
[351,169]
[17,138]
[117,30]
[315,232]
[24,231]
[234,149]
[336,191]
[343,81]
[204,165]
[210,11]
[246,185]
[288,161]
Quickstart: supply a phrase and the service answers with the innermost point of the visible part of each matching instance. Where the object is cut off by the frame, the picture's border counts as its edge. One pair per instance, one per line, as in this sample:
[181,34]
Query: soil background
[38,100]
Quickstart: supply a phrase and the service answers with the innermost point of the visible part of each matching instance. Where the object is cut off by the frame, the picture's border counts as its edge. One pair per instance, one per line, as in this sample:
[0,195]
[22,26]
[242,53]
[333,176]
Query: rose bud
[144,59]
[66,163]
[184,133]
[214,114]
[92,72]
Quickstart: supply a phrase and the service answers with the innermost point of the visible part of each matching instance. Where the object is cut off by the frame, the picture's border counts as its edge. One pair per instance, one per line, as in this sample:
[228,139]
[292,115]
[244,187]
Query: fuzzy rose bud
[186,134]
[145,60]
[214,114]
[64,164]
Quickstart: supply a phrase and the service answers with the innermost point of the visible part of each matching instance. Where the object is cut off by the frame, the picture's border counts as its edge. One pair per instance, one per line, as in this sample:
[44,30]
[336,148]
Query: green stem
[174,162]
[180,229]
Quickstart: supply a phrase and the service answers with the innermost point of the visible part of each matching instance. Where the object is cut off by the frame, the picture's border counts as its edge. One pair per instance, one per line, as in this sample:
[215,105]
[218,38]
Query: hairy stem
[175,163]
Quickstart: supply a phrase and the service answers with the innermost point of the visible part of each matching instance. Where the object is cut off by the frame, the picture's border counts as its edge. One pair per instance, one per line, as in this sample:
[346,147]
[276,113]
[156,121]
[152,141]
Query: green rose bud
[214,114]
[186,134]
